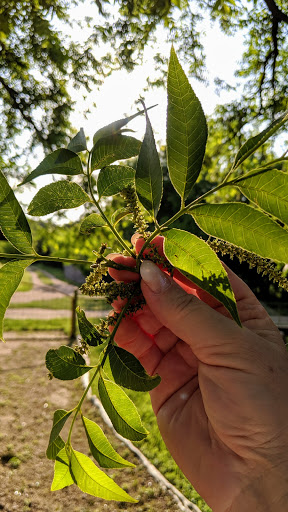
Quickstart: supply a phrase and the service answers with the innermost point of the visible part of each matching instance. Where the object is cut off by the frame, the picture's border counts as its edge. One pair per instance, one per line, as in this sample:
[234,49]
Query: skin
[221,406]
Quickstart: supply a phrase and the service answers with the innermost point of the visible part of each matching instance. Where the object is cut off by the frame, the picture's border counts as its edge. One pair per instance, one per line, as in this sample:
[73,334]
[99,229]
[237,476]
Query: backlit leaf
[149,175]
[10,277]
[112,148]
[78,143]
[92,480]
[197,261]
[59,419]
[61,161]
[88,332]
[62,475]
[121,410]
[113,179]
[13,222]
[244,226]
[57,196]
[127,371]
[120,214]
[101,449]
[66,364]
[91,222]
[186,130]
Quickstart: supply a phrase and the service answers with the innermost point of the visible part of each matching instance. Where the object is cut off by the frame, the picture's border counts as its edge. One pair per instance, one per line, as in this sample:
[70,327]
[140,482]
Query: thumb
[210,335]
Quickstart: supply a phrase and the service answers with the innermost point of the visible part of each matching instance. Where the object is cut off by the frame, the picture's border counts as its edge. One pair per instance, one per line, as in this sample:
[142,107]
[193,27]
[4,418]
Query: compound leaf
[100,447]
[92,480]
[244,226]
[91,222]
[62,475]
[127,371]
[55,442]
[65,363]
[121,410]
[113,179]
[78,143]
[10,277]
[186,130]
[112,148]
[61,161]
[197,261]
[149,176]
[88,332]
[13,222]
[57,196]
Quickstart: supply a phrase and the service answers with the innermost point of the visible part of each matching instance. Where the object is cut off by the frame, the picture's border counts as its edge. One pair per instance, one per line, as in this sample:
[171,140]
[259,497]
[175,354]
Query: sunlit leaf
[91,222]
[92,480]
[65,363]
[244,226]
[186,130]
[113,179]
[10,277]
[62,475]
[78,143]
[61,161]
[55,442]
[127,371]
[57,196]
[13,222]
[121,410]
[197,261]
[101,449]
[88,332]
[112,148]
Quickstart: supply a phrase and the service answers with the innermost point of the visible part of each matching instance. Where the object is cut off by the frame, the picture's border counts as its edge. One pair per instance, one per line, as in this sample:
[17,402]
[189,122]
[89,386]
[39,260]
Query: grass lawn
[26,283]
[64,303]
[154,448]
[57,324]
[57,272]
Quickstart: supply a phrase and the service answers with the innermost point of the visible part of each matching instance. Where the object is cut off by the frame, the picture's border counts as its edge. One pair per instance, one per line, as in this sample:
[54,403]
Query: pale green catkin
[130,197]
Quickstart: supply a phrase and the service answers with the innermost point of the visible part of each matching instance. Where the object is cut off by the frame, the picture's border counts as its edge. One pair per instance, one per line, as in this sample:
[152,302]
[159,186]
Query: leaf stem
[37,257]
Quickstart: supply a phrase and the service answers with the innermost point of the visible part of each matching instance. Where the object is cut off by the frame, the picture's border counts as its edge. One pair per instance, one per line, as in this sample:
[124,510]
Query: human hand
[221,405]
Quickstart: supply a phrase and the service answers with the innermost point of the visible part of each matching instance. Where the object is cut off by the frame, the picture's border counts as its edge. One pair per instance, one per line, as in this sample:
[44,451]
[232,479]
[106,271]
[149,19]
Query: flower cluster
[132,205]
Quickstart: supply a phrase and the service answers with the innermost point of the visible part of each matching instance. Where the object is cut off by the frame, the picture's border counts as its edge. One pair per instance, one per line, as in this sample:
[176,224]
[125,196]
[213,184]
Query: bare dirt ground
[27,402]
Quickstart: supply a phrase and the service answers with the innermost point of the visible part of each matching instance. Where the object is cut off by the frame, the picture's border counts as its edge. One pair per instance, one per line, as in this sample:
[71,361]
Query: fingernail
[157,280]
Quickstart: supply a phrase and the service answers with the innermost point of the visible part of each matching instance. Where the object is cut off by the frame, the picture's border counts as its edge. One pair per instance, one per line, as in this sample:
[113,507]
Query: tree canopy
[37,62]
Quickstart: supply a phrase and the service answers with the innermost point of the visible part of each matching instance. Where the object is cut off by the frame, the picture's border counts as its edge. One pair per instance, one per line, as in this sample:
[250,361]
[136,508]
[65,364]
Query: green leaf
[149,176]
[88,332]
[55,441]
[92,480]
[186,130]
[269,190]
[62,475]
[78,143]
[127,371]
[121,410]
[101,449]
[91,222]
[251,145]
[197,261]
[112,148]
[113,179]
[10,277]
[245,227]
[61,161]
[115,127]
[13,222]
[120,214]
[66,364]
[57,196]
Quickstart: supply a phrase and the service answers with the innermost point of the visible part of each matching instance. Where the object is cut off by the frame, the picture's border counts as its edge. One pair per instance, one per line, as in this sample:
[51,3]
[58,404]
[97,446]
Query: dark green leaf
[10,277]
[113,179]
[112,148]
[127,371]
[251,145]
[120,214]
[62,475]
[92,480]
[88,332]
[121,410]
[149,176]
[78,143]
[57,196]
[197,261]
[245,227]
[55,442]
[186,130]
[100,447]
[61,161]
[269,190]
[91,222]
[66,364]
[13,222]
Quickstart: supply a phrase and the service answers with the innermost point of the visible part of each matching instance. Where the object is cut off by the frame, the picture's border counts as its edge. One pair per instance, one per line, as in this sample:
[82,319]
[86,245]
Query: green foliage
[251,230]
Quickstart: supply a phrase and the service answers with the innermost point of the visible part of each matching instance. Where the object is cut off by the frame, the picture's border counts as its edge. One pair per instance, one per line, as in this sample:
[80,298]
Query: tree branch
[276,12]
